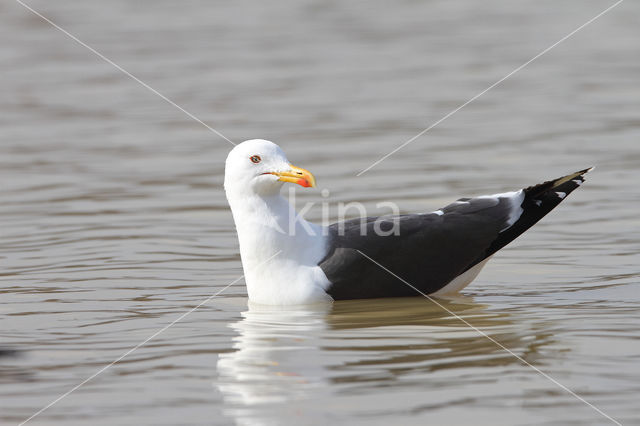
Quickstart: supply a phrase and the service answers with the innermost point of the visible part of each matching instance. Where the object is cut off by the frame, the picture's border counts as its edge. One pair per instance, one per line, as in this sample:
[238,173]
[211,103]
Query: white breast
[280,256]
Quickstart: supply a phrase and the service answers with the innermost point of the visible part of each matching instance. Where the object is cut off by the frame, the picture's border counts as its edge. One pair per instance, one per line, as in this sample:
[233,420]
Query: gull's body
[288,260]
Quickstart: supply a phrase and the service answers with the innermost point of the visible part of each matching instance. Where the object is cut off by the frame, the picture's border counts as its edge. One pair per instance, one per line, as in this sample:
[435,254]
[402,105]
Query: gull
[287,260]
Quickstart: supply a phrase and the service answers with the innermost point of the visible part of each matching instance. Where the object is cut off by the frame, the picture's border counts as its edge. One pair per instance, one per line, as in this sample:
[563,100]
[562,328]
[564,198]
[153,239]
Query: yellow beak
[297,175]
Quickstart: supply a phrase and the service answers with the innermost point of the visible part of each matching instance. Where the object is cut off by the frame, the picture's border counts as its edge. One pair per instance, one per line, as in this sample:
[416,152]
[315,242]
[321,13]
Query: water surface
[114,222]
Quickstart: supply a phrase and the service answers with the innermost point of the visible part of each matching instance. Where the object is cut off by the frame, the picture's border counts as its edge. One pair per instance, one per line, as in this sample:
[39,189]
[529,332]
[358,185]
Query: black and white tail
[538,201]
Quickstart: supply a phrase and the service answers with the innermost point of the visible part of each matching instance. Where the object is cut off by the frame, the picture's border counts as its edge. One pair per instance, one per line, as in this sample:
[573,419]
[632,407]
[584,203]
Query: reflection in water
[284,353]
[273,362]
[12,374]
[269,364]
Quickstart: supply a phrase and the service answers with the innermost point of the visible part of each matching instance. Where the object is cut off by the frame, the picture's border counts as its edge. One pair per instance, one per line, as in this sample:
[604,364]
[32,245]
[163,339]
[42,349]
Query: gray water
[114,222]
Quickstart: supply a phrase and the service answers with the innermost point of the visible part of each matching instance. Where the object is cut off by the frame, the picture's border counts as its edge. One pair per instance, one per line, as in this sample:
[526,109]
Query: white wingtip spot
[577,182]
[561,194]
[538,202]
[439,212]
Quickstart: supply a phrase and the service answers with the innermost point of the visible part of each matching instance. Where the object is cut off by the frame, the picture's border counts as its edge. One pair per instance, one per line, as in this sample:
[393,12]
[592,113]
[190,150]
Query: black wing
[432,249]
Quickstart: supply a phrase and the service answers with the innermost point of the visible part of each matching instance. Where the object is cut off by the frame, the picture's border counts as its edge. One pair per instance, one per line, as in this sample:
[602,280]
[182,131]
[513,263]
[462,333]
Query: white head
[269,229]
[258,166]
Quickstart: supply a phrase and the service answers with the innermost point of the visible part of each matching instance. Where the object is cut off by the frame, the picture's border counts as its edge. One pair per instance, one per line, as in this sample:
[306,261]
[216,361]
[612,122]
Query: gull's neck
[273,221]
[280,251]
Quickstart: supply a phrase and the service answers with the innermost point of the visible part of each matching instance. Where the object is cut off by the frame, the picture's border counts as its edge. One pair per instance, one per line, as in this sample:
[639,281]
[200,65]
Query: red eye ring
[255,159]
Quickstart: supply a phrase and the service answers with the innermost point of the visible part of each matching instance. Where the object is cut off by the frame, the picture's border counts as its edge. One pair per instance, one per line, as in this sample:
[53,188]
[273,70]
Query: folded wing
[430,250]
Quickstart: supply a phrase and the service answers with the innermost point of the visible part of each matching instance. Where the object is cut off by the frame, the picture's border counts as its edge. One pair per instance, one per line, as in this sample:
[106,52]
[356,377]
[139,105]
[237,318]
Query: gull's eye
[255,159]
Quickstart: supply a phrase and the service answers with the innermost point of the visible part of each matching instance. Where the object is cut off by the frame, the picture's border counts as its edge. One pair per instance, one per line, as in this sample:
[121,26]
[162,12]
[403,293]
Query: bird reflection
[276,364]
[287,358]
